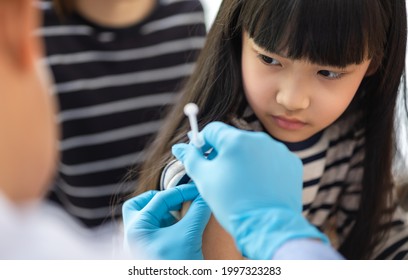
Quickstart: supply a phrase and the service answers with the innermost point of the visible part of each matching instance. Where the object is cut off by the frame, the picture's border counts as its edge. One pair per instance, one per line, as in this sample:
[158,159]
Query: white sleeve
[306,249]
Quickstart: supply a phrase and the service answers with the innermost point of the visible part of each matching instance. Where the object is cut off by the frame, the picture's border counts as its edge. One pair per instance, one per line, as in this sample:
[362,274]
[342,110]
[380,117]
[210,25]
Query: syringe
[191,111]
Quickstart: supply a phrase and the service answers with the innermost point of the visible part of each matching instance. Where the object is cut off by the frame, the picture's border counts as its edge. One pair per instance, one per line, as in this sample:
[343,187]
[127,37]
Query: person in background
[322,78]
[117,67]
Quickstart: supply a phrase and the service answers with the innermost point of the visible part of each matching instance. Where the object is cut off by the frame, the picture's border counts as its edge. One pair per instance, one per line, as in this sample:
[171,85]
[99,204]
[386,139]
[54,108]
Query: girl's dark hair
[336,33]
[63,7]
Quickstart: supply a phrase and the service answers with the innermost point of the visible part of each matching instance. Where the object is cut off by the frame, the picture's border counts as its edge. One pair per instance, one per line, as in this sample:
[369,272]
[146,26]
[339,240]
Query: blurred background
[210,9]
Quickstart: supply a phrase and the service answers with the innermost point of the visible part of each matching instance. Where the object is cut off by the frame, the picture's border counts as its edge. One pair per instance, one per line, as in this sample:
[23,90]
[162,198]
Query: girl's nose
[293,96]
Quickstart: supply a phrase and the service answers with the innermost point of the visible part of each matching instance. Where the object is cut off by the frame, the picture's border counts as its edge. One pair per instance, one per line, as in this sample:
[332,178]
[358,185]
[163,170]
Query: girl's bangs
[325,32]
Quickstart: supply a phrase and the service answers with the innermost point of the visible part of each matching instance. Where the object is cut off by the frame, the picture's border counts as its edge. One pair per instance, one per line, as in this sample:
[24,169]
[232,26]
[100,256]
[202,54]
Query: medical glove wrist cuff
[258,234]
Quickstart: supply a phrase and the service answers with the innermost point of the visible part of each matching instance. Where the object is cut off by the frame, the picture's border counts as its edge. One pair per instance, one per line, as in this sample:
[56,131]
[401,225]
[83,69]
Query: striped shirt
[113,88]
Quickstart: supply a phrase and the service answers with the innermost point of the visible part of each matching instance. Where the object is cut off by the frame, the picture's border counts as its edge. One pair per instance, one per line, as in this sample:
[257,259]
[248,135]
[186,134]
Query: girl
[322,77]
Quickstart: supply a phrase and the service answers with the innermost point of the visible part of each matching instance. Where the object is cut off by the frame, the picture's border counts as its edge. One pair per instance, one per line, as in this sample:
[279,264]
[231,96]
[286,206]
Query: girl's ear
[18,21]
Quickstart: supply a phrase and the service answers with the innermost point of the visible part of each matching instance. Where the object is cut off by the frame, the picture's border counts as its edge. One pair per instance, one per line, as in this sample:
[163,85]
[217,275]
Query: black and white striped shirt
[113,87]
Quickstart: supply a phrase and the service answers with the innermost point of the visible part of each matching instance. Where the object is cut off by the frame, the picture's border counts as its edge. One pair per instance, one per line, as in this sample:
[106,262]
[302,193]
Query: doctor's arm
[253,185]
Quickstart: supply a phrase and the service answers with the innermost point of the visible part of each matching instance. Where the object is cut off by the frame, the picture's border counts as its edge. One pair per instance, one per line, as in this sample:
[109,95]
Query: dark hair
[63,7]
[335,32]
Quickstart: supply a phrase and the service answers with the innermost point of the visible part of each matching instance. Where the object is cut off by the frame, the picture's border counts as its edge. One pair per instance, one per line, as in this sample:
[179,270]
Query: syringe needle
[191,111]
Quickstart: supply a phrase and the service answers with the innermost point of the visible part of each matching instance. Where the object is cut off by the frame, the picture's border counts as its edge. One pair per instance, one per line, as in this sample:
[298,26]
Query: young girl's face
[295,99]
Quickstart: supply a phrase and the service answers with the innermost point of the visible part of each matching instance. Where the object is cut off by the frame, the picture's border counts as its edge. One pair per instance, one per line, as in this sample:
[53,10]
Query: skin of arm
[217,243]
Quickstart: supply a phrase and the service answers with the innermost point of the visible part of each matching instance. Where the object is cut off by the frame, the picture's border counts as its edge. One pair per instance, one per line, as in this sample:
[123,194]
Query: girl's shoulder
[346,127]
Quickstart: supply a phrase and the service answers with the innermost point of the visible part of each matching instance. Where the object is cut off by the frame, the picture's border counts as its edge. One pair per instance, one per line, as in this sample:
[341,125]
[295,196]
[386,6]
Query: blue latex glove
[253,185]
[152,230]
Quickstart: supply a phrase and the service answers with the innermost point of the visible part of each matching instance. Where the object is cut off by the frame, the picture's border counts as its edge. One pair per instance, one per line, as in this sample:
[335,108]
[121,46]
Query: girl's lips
[289,124]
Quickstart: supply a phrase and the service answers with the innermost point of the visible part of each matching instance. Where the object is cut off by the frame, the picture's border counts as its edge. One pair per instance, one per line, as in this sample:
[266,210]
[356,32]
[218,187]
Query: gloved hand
[152,230]
[253,185]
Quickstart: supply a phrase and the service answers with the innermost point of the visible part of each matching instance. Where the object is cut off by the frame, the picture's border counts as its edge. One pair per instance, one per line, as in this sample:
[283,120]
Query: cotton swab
[191,111]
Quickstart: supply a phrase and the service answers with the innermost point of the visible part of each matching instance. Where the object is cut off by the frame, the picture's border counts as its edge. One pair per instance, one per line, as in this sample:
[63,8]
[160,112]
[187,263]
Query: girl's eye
[268,60]
[330,74]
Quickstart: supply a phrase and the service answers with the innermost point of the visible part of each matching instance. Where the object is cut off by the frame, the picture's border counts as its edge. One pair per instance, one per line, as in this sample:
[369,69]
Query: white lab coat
[43,231]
